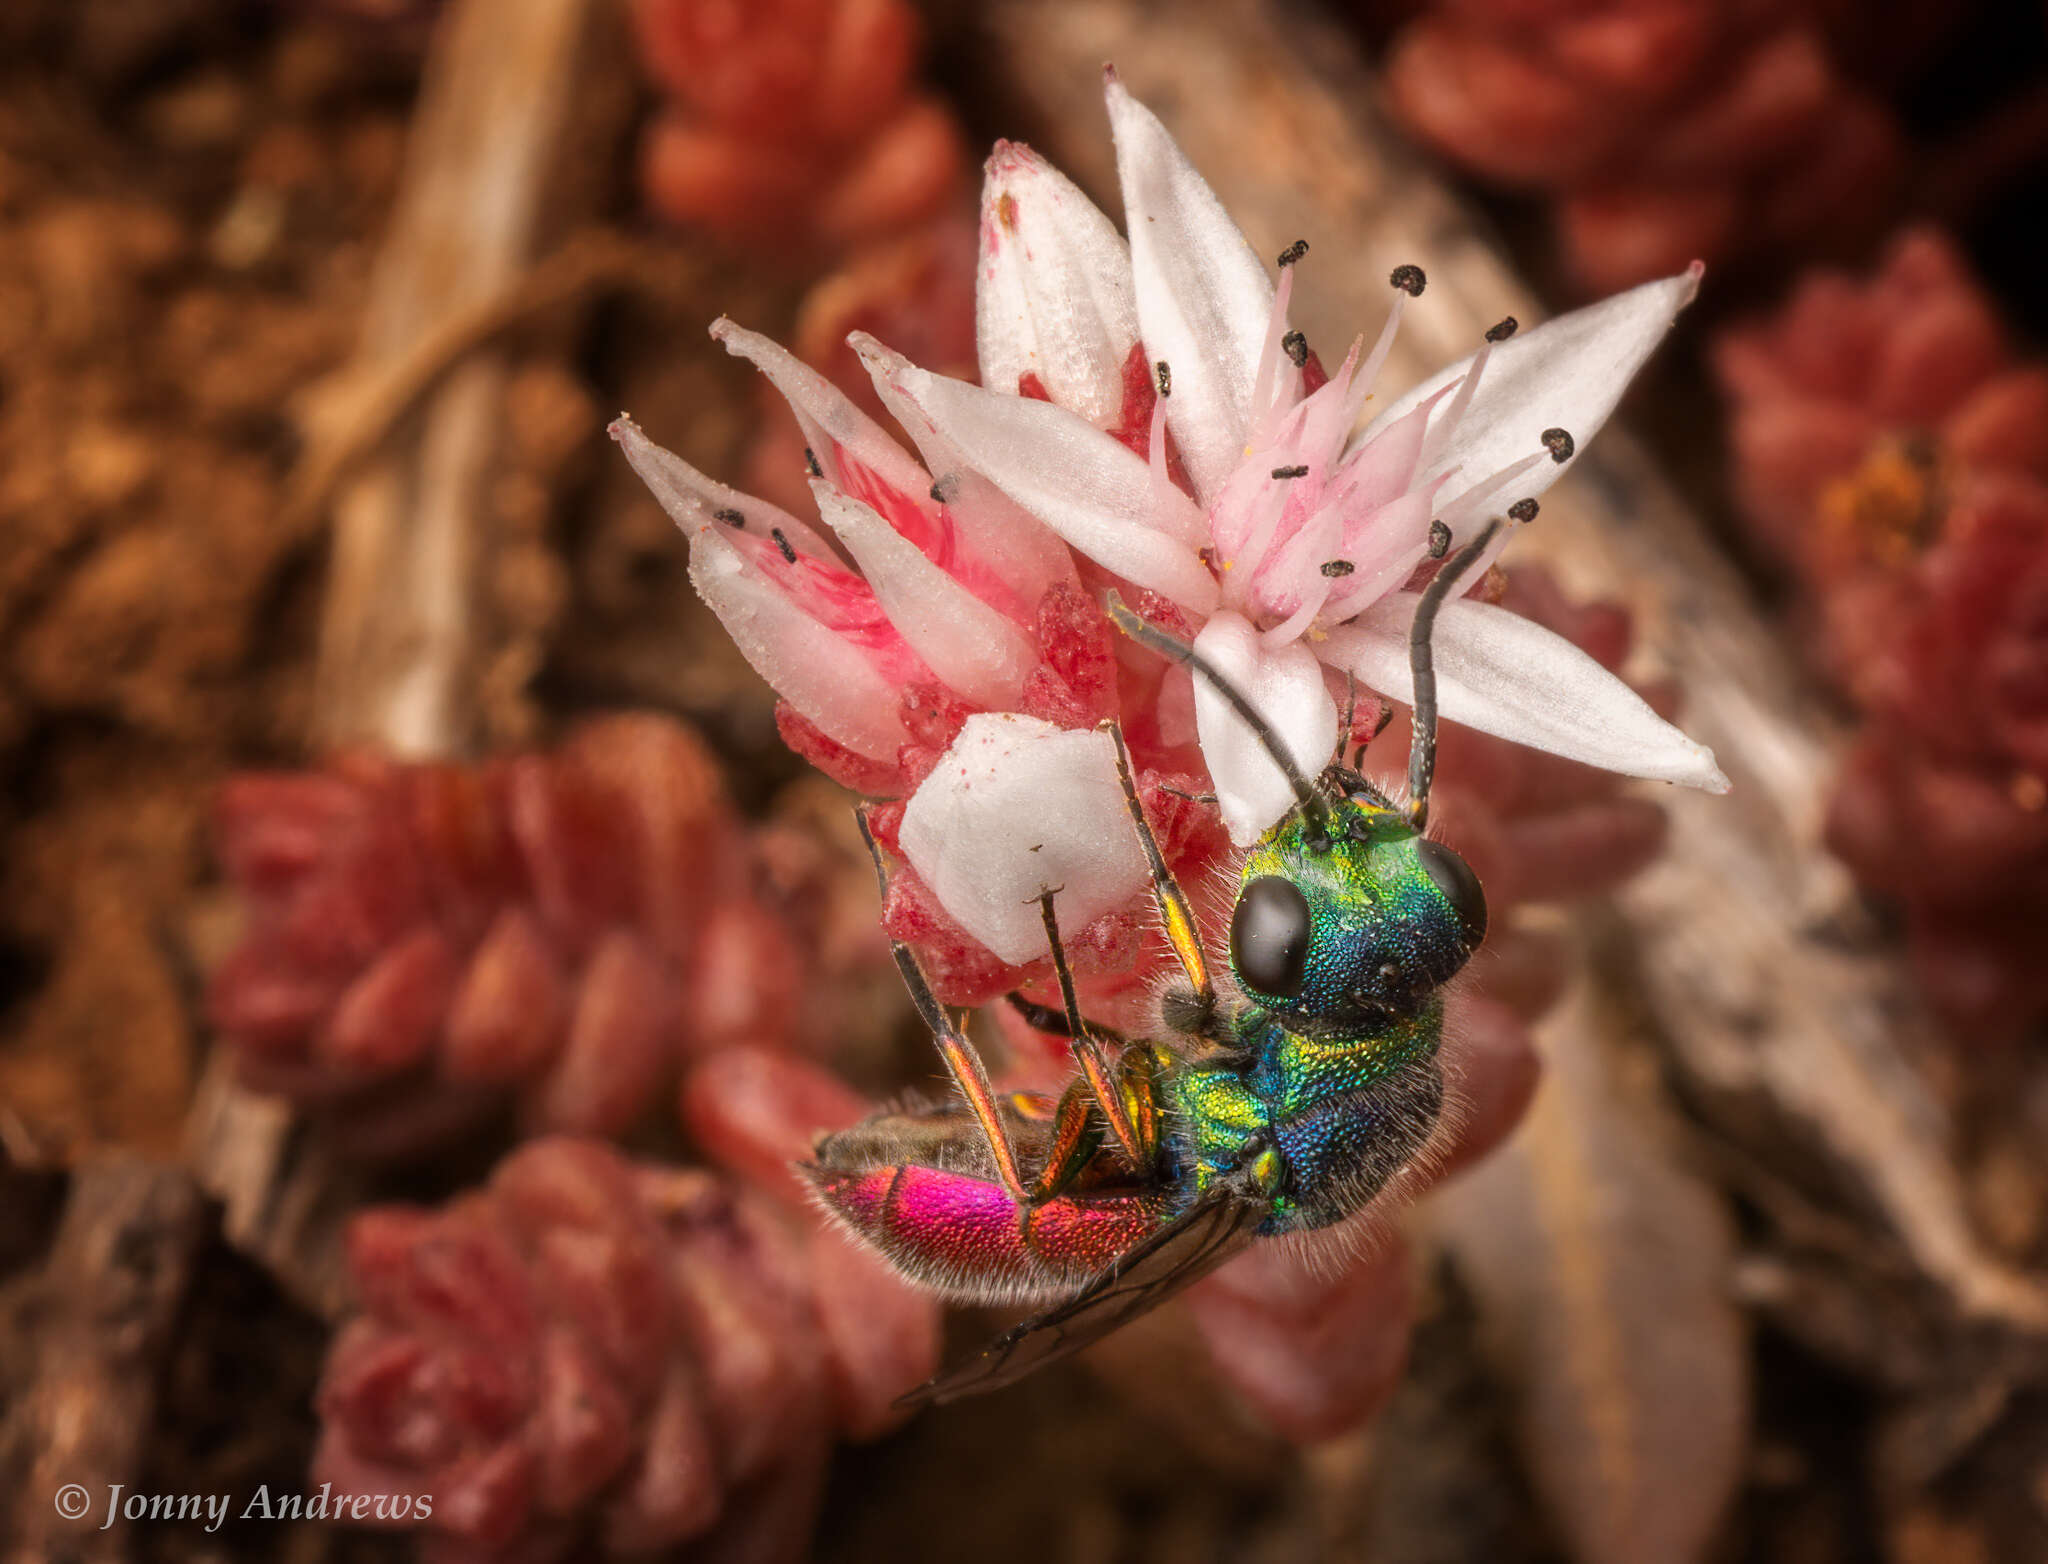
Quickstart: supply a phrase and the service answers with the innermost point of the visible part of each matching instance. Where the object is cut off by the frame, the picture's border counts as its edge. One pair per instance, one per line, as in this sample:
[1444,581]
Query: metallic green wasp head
[1354,916]
[1347,912]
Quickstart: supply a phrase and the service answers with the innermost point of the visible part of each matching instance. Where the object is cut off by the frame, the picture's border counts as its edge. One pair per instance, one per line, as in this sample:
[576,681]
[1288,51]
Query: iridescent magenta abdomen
[967,1236]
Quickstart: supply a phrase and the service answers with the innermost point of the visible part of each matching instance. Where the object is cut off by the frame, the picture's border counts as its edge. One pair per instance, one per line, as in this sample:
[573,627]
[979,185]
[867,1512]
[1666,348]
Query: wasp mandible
[1283,1102]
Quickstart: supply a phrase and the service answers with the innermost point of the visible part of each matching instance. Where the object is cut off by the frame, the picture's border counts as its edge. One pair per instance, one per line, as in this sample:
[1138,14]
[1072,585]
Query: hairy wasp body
[1283,1102]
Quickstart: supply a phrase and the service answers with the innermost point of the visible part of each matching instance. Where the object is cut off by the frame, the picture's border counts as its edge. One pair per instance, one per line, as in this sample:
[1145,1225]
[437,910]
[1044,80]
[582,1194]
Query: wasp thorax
[1363,917]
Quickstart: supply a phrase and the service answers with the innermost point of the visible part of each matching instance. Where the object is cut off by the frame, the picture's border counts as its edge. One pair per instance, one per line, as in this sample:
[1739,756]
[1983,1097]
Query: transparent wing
[1178,1255]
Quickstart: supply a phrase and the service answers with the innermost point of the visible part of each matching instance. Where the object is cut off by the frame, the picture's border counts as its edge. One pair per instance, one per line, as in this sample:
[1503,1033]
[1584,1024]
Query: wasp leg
[968,1071]
[1173,902]
[1128,1105]
[1044,1018]
[1075,1138]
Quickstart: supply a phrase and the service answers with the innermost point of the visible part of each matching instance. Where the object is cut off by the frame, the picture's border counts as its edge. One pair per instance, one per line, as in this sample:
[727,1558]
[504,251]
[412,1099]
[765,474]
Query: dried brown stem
[403,445]
[399,642]
[357,411]
[100,1313]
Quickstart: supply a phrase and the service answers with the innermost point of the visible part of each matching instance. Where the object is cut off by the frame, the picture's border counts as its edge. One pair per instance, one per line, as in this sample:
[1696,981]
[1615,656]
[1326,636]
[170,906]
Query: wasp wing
[1181,1253]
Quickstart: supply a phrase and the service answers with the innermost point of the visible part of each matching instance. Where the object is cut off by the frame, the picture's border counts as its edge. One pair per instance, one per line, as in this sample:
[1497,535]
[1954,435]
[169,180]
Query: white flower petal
[1385,465]
[1285,687]
[1090,489]
[1291,584]
[693,500]
[968,644]
[1204,298]
[1565,374]
[1384,547]
[1023,555]
[1054,297]
[1508,676]
[838,433]
[818,671]
[1015,808]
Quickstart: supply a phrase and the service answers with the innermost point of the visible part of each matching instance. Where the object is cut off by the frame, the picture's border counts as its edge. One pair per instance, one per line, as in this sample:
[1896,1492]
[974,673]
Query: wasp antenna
[1350,716]
[1422,664]
[1312,803]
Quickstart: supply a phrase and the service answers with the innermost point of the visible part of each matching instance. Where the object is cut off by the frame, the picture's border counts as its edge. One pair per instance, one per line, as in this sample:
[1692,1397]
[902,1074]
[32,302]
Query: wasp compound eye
[1454,877]
[1269,935]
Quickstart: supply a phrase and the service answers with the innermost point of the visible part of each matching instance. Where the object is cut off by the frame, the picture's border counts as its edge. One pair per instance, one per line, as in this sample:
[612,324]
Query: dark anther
[811,462]
[1296,346]
[1439,539]
[1558,443]
[1294,252]
[1507,328]
[788,553]
[1409,280]
[1162,377]
[1333,568]
[1300,471]
[1522,510]
[944,489]
[730,517]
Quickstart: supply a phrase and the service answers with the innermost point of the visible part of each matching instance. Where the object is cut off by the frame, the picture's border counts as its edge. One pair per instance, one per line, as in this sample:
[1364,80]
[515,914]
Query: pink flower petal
[1018,555]
[968,644]
[1384,466]
[1055,297]
[850,447]
[1090,489]
[820,672]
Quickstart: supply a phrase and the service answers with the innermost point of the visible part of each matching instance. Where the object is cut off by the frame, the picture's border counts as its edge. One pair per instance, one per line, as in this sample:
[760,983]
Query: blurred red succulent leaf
[561,930]
[589,1349]
[1891,453]
[1666,129]
[792,124]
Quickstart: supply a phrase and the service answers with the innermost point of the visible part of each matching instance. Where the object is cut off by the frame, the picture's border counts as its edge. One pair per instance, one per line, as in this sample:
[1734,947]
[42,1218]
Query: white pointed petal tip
[1508,676]
[1285,686]
[694,502]
[681,490]
[854,450]
[1204,298]
[1015,808]
[1564,375]
[1053,298]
